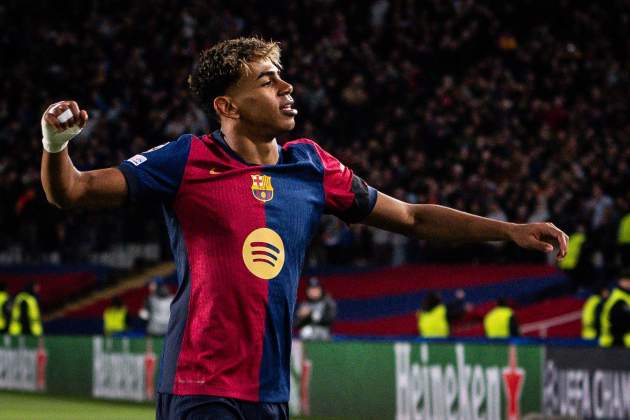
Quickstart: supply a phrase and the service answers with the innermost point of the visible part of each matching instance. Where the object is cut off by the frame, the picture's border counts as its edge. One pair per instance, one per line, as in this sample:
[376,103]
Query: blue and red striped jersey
[239,234]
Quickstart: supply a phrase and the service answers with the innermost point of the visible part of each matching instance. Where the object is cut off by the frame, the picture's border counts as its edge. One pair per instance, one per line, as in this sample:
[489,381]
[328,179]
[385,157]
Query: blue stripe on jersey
[155,175]
[179,306]
[293,213]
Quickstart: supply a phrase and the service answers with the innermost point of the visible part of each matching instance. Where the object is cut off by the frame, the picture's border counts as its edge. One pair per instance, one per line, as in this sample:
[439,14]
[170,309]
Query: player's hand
[61,122]
[542,237]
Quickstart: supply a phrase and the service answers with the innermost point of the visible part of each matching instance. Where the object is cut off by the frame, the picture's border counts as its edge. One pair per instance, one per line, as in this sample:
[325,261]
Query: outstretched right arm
[65,186]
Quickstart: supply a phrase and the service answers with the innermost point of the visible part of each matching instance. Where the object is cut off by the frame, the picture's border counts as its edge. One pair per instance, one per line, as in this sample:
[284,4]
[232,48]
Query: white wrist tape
[55,142]
[65,116]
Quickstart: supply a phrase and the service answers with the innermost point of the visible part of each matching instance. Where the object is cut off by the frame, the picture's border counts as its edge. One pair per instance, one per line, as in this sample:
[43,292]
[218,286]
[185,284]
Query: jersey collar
[217,135]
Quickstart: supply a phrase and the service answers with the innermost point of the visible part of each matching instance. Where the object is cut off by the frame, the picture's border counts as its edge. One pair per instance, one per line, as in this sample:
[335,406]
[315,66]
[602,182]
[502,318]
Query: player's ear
[224,107]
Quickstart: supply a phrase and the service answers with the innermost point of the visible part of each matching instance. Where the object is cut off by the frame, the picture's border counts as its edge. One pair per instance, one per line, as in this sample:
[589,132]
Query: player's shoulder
[184,140]
[170,152]
[303,149]
[300,143]
[180,142]
[307,145]
[315,153]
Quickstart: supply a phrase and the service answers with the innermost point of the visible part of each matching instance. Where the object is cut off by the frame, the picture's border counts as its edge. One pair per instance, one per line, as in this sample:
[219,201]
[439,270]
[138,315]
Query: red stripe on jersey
[222,345]
[337,179]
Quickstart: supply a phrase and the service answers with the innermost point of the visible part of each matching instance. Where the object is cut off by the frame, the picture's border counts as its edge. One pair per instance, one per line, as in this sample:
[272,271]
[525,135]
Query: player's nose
[286,88]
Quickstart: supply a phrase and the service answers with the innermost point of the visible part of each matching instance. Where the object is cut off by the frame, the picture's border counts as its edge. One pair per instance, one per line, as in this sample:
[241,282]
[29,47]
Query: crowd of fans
[514,110]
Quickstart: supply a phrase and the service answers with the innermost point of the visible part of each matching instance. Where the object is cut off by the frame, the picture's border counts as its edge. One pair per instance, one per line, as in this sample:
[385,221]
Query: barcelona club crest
[262,188]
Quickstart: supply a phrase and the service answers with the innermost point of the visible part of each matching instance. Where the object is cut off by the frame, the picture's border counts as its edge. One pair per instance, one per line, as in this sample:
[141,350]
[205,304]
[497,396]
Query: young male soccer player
[240,211]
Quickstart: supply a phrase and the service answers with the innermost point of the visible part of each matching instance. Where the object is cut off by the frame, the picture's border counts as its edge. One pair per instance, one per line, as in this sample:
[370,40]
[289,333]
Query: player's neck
[257,150]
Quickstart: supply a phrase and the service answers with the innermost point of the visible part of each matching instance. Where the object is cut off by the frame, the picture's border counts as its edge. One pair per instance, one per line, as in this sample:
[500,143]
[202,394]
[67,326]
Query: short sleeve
[155,175]
[347,195]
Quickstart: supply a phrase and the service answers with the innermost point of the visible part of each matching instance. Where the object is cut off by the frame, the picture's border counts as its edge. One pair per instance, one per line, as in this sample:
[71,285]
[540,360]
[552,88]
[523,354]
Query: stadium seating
[57,284]
[385,302]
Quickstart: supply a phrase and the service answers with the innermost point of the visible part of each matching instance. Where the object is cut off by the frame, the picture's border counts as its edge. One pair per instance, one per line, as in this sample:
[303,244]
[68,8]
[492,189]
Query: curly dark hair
[223,64]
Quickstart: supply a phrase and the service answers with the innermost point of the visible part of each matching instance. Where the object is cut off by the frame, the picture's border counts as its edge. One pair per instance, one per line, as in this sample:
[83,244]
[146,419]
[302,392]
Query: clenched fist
[61,122]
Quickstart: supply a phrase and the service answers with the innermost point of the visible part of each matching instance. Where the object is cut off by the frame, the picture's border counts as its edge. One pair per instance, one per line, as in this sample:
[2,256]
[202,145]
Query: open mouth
[287,109]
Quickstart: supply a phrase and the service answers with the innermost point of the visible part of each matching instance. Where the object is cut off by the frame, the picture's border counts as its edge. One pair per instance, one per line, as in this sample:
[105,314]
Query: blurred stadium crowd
[488,108]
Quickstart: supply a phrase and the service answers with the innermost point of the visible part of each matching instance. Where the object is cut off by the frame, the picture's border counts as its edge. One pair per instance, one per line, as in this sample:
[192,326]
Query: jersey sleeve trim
[363,204]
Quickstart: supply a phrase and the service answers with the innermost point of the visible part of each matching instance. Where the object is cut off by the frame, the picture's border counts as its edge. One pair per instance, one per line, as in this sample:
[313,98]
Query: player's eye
[267,83]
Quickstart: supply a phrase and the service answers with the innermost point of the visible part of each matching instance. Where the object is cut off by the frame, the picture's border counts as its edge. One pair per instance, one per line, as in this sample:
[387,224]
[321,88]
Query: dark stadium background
[517,111]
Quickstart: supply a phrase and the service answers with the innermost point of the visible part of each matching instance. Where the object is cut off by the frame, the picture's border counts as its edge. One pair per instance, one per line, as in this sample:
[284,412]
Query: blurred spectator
[4,309]
[591,314]
[615,316]
[478,105]
[599,204]
[574,254]
[500,321]
[623,238]
[315,315]
[25,313]
[434,317]
[496,213]
[115,317]
[458,308]
[157,308]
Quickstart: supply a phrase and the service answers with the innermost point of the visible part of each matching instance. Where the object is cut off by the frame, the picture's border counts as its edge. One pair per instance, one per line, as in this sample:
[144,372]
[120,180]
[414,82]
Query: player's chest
[287,196]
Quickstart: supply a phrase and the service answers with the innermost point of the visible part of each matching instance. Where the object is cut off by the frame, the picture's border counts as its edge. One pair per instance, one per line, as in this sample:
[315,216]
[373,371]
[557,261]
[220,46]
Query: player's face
[314,293]
[264,101]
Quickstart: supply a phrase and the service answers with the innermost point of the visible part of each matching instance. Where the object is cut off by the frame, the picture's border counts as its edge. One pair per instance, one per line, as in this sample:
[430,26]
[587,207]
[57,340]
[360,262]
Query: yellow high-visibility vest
[32,312]
[4,298]
[589,332]
[114,320]
[496,323]
[606,338]
[623,236]
[570,261]
[433,323]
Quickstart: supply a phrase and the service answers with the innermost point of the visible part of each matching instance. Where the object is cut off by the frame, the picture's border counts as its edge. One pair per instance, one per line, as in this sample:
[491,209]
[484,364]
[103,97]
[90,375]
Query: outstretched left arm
[444,224]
